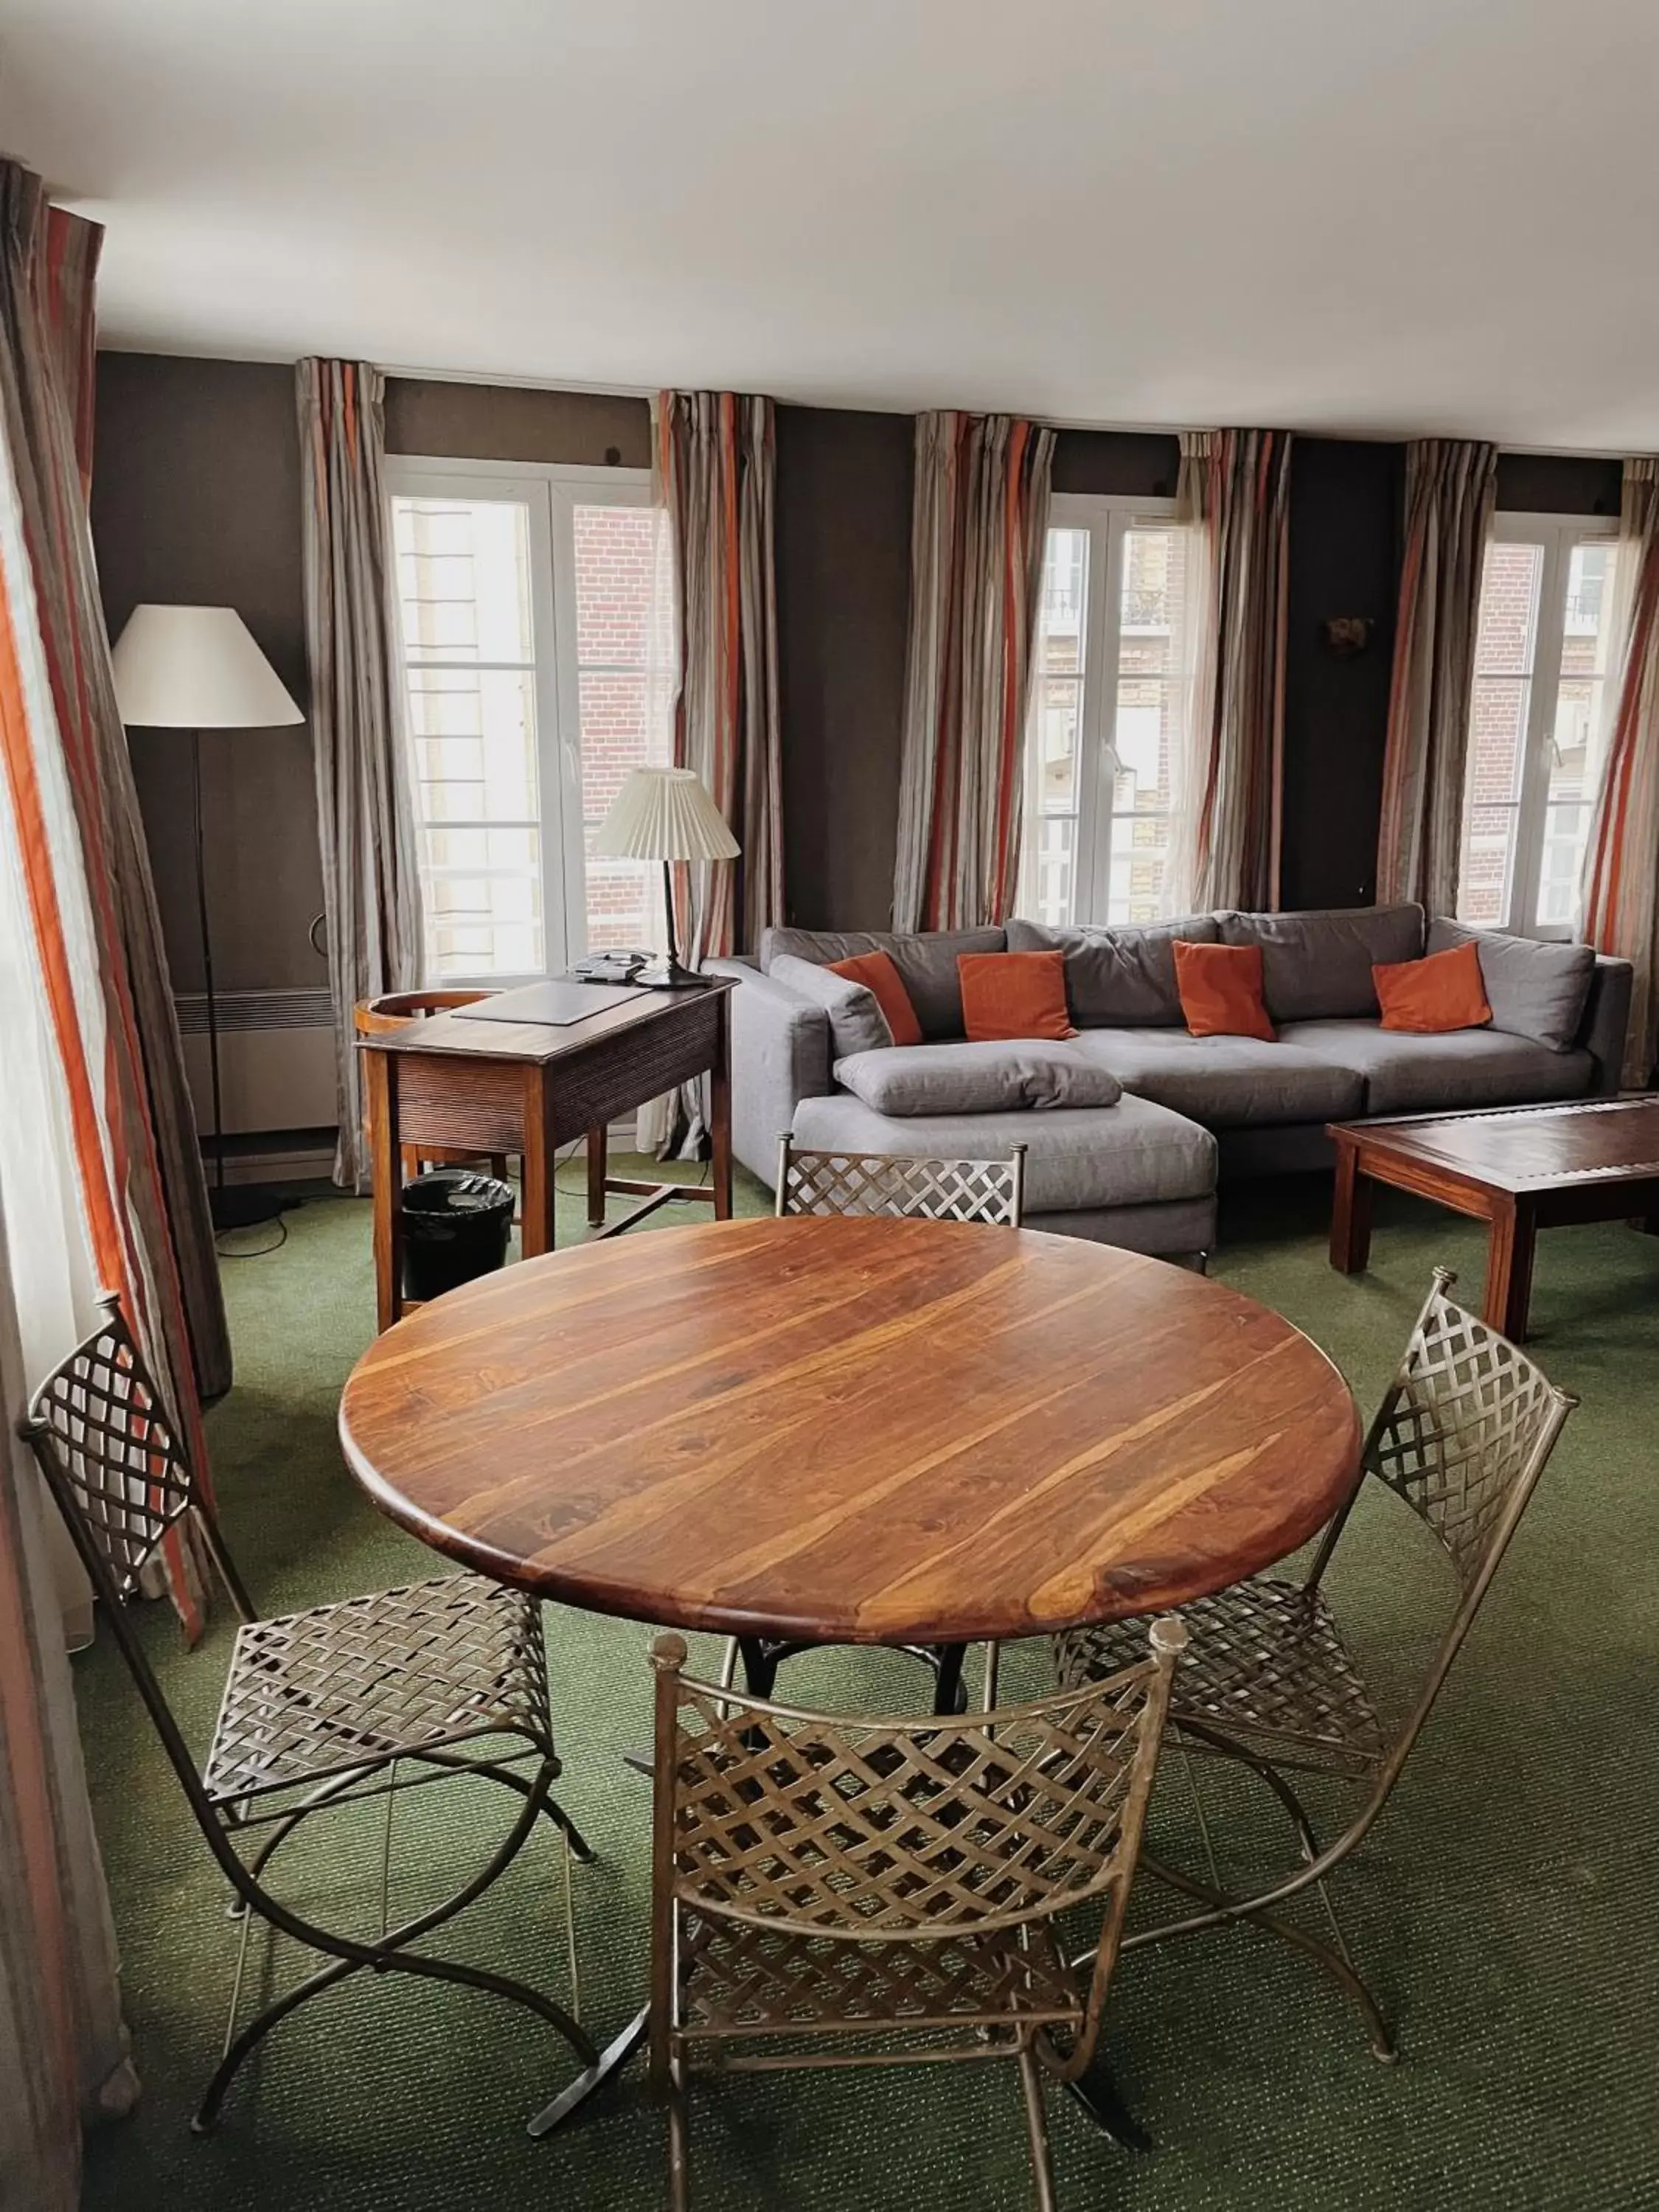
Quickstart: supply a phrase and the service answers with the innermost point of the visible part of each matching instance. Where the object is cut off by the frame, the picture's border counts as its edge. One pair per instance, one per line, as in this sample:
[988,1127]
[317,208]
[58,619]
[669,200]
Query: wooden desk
[490,1086]
[854,1430]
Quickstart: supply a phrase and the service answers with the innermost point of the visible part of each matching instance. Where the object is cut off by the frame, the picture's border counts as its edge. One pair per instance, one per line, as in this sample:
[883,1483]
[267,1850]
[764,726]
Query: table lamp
[665,814]
[196,669]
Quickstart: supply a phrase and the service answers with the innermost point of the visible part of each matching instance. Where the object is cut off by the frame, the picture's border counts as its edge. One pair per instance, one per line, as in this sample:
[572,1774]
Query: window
[529,617]
[1540,676]
[1110,702]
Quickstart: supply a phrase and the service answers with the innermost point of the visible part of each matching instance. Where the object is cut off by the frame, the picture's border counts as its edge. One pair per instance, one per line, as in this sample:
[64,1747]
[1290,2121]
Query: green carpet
[1503,1909]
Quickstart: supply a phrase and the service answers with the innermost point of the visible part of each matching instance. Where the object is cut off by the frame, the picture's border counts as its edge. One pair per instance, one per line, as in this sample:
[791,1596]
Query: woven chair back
[1464,1429]
[882,1182]
[817,1825]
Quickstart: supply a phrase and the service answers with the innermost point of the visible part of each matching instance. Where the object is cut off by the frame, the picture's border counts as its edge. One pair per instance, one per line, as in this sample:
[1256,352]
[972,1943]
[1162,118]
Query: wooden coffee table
[1521,1168]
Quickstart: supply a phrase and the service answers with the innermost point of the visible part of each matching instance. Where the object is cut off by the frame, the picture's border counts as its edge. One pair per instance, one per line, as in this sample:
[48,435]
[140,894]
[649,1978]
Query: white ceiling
[1369,216]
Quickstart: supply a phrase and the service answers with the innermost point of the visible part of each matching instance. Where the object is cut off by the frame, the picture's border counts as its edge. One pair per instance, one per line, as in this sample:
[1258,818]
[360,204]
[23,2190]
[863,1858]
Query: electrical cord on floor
[226,1251]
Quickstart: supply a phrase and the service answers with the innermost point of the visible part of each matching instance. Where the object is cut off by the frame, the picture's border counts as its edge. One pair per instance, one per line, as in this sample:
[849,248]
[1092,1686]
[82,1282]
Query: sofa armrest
[779,1054]
[1603,1031]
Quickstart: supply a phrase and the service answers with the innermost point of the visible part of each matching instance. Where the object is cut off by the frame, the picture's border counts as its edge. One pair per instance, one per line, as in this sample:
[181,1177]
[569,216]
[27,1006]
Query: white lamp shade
[664,814]
[195,668]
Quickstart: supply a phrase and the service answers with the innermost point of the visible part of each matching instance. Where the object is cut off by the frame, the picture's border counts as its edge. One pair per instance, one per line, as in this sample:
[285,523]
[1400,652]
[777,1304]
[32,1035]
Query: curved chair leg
[390,1955]
[1225,1909]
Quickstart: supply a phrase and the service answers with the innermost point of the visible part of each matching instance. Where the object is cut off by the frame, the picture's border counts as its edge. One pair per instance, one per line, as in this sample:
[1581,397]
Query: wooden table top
[1527,1148]
[467,1036]
[858,1430]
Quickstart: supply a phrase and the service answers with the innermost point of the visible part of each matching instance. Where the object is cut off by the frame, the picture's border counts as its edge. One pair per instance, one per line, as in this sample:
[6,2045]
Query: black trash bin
[456,1224]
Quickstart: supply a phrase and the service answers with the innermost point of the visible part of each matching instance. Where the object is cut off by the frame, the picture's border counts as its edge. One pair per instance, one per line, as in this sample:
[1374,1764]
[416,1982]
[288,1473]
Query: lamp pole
[237,1207]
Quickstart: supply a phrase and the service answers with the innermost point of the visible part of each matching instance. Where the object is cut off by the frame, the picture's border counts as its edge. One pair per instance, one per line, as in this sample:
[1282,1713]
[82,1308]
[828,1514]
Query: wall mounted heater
[275,1068]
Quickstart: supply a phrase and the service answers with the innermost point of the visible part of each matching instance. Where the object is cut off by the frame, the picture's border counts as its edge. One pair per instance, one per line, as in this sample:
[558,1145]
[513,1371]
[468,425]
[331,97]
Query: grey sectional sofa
[1143,1171]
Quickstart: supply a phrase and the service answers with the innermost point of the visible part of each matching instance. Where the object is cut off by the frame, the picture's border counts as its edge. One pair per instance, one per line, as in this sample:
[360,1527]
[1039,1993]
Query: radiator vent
[255,1010]
[275,1059]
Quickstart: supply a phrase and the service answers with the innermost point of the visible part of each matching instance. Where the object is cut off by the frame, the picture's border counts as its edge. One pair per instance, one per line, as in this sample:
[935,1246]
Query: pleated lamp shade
[664,814]
[195,668]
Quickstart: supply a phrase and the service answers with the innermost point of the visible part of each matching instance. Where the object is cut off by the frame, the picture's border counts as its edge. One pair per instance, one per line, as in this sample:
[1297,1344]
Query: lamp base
[243,1206]
[668,975]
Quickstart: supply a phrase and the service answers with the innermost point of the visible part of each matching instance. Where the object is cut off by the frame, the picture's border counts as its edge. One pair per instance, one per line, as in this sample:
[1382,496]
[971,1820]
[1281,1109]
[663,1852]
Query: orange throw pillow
[1444,992]
[1220,987]
[876,971]
[1013,995]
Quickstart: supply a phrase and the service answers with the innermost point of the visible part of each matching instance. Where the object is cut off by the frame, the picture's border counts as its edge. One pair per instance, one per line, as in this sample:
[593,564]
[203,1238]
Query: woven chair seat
[317,1694]
[1267,1664]
[735,1976]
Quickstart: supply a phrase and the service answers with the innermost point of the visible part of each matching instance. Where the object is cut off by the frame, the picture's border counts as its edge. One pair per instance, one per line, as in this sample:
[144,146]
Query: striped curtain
[82,1191]
[714,467]
[63,2045]
[978,533]
[715,470]
[77,855]
[1451,486]
[1234,491]
[365,804]
[1619,889]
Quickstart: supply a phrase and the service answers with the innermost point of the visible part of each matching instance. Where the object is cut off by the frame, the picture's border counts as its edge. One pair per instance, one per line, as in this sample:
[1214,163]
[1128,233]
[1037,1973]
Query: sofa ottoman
[1134,1174]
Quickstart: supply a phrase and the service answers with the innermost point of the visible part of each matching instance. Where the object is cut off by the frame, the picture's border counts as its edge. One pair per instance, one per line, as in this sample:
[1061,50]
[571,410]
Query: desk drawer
[619,1073]
[472,1104]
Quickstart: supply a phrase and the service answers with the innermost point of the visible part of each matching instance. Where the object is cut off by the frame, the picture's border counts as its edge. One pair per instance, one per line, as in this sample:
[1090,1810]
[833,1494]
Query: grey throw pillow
[1118,979]
[1316,966]
[856,1021]
[1536,987]
[926,960]
[975,1078]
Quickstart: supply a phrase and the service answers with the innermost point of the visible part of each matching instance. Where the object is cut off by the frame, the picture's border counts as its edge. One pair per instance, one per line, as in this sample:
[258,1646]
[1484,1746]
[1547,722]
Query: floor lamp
[196,669]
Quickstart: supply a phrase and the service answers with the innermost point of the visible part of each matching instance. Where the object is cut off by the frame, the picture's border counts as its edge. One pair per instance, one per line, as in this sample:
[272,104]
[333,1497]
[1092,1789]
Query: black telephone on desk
[612,966]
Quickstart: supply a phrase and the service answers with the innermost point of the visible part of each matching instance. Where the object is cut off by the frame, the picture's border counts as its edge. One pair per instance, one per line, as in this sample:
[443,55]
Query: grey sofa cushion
[856,1021]
[1118,978]
[976,1079]
[1134,1153]
[1226,1080]
[1318,965]
[926,962]
[1406,1073]
[1536,987]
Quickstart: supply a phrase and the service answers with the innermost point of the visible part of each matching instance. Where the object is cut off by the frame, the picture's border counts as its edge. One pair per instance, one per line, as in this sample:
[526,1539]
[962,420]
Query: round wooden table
[854,1430]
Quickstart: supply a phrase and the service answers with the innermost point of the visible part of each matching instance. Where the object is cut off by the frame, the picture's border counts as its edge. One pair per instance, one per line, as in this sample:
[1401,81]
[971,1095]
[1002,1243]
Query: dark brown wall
[196,499]
[843,568]
[1344,560]
[508,422]
[1144,464]
[1557,484]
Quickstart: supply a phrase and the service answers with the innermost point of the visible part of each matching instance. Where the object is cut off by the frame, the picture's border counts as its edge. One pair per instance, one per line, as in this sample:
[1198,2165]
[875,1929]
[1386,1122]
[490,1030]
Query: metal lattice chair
[320,1709]
[1462,1436]
[884,1182]
[892,1888]
[818,1182]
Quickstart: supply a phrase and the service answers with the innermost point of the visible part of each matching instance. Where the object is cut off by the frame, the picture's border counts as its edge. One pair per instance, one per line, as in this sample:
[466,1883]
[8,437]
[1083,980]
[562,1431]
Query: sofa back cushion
[857,1023]
[1118,979]
[977,1078]
[1536,987]
[876,971]
[1316,967]
[926,962]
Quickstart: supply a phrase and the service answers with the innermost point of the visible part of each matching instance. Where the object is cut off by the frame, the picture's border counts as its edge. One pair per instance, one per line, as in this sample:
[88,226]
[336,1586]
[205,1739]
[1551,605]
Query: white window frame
[1108,517]
[1558,534]
[551,492]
